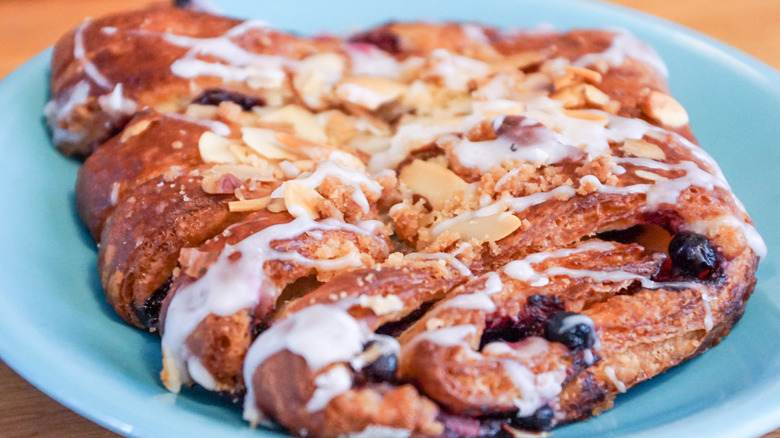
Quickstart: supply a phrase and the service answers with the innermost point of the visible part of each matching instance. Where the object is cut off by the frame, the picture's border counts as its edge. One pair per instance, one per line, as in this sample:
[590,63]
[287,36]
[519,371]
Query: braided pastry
[441,230]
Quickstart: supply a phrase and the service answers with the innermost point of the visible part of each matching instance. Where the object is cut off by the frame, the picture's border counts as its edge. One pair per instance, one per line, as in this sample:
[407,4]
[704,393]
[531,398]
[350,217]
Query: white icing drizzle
[537,389]
[58,109]
[610,372]
[526,348]
[476,301]
[515,204]
[457,70]
[229,286]
[330,384]
[80,54]
[625,45]
[406,138]
[368,60]
[712,227]
[475,33]
[116,103]
[447,336]
[380,432]
[484,155]
[523,271]
[350,176]
[262,71]
[216,127]
[322,335]
[448,258]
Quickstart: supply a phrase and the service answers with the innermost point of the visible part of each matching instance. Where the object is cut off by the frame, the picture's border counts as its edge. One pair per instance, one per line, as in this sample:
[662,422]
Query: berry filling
[149,313]
[573,330]
[215,96]
[531,322]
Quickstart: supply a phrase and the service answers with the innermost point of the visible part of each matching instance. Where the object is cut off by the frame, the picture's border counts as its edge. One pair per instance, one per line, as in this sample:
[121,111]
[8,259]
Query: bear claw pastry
[443,230]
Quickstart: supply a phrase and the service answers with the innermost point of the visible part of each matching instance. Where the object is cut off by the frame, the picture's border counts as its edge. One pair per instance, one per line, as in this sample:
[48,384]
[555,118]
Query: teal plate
[57,331]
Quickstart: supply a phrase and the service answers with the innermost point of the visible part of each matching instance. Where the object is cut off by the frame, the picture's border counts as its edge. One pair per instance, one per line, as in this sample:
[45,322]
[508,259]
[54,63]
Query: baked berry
[381,39]
[182,3]
[692,255]
[574,330]
[215,96]
[381,361]
[541,420]
[149,314]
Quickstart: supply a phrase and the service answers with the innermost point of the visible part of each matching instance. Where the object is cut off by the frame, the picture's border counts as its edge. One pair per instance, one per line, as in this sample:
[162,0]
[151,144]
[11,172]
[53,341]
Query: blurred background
[29,26]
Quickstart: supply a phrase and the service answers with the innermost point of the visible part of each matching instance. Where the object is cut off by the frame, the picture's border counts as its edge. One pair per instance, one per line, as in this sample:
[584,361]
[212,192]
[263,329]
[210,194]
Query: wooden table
[29,26]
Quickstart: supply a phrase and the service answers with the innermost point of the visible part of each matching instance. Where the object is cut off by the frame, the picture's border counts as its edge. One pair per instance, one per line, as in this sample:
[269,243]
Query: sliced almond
[572,96]
[643,149]
[264,142]
[487,228]
[301,200]
[587,115]
[216,149]
[584,73]
[432,181]
[249,204]
[276,205]
[370,92]
[565,80]
[664,109]
[247,155]
[316,76]
[594,96]
[650,175]
[135,129]
[304,165]
[304,123]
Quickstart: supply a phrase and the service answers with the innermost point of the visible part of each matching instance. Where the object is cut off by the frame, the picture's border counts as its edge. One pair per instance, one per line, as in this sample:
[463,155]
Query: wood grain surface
[29,26]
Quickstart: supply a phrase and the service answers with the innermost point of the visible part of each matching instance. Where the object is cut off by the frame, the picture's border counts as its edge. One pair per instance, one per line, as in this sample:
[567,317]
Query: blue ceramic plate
[57,331]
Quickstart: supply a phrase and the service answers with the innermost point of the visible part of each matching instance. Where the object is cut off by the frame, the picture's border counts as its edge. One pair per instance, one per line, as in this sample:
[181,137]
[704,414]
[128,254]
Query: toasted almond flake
[432,181]
[301,200]
[487,228]
[584,73]
[296,143]
[216,149]
[650,175]
[587,115]
[304,165]
[565,80]
[276,206]
[370,92]
[315,77]
[135,129]
[517,62]
[664,109]
[264,142]
[572,96]
[201,111]
[249,204]
[595,96]
[643,149]
[305,125]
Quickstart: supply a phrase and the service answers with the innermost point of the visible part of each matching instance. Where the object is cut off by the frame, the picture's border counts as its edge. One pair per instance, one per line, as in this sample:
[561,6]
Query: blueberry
[382,361]
[692,254]
[182,3]
[541,420]
[215,96]
[571,329]
[149,314]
